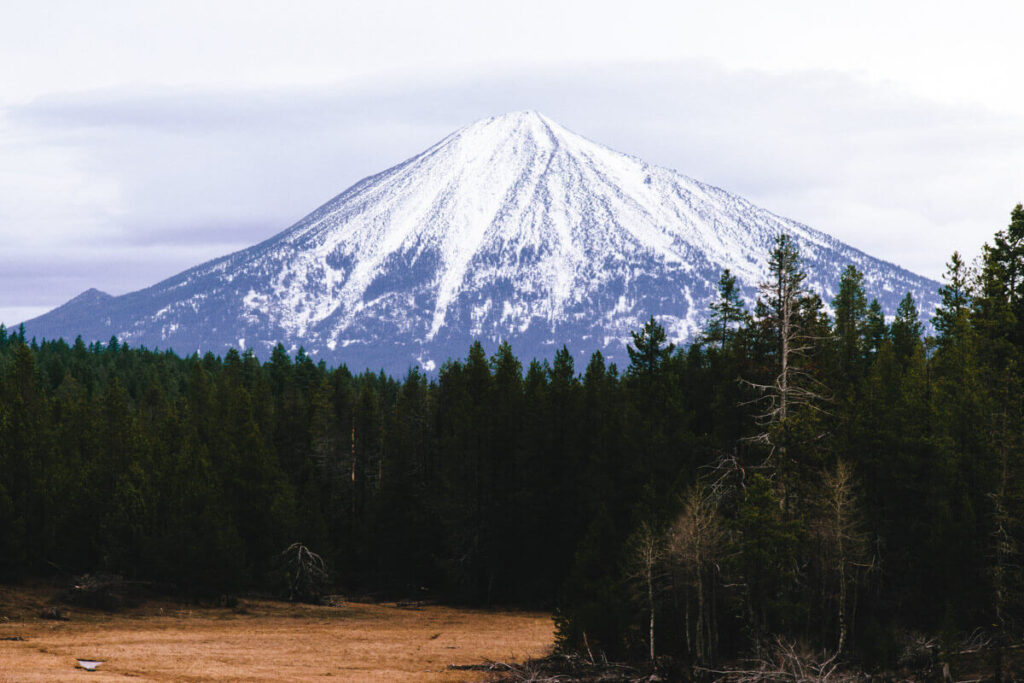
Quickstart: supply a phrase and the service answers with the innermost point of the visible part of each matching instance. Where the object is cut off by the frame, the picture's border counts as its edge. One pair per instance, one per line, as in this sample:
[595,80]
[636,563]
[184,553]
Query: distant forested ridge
[836,479]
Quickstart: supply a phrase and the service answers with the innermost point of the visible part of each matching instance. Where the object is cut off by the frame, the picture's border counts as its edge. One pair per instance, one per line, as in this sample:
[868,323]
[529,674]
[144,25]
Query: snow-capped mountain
[510,228]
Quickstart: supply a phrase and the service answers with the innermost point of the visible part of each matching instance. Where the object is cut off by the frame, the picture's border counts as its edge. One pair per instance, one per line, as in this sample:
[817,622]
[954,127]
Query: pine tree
[906,329]
[1008,253]
[962,471]
[851,309]
[728,312]
[649,352]
[951,319]
[875,328]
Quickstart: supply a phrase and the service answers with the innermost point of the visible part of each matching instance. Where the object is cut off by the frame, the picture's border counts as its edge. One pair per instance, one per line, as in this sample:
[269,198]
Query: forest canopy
[830,473]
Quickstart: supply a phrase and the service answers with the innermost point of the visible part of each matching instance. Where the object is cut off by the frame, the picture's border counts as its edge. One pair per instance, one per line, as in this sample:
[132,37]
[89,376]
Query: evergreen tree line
[829,474]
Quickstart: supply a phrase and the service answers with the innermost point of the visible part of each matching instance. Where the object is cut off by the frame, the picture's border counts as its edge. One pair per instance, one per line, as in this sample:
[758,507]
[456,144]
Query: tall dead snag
[694,545]
[843,545]
[646,550]
[784,312]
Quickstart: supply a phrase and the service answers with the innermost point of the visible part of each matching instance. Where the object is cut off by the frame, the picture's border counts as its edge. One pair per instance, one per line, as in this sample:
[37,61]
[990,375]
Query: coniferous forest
[827,472]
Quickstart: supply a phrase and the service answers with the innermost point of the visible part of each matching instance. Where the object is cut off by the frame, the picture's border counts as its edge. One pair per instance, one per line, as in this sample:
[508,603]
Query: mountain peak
[511,228]
[91,295]
[521,115]
[531,130]
[525,117]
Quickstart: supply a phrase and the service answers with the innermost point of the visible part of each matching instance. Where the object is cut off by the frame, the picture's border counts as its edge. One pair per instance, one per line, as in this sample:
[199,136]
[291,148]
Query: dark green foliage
[649,350]
[951,319]
[906,329]
[851,318]
[728,313]
[875,328]
[488,484]
[767,541]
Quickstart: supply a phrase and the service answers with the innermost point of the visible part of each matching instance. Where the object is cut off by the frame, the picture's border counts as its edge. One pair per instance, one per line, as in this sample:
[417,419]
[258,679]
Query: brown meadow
[261,640]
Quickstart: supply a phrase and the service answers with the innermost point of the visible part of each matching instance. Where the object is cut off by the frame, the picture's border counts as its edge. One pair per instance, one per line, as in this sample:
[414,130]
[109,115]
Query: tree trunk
[650,602]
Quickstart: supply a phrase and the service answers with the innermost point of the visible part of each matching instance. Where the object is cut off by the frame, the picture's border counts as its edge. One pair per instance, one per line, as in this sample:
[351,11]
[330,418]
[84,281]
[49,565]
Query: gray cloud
[128,186]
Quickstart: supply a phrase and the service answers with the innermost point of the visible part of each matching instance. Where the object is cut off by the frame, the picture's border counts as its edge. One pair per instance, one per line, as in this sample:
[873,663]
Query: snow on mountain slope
[510,228]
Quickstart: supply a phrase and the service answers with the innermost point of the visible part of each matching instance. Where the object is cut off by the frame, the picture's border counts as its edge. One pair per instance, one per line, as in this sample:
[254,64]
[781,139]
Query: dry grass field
[260,641]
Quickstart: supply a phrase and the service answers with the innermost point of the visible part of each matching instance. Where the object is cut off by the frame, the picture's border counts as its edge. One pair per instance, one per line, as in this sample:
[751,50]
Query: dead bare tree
[844,545]
[725,476]
[306,573]
[646,551]
[694,545]
[782,309]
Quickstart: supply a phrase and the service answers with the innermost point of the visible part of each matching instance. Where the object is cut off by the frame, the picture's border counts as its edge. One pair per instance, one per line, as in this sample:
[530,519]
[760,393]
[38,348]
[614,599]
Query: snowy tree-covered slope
[510,228]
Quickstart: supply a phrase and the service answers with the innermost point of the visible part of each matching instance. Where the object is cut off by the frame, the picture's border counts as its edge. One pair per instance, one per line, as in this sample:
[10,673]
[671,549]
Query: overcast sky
[140,138]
